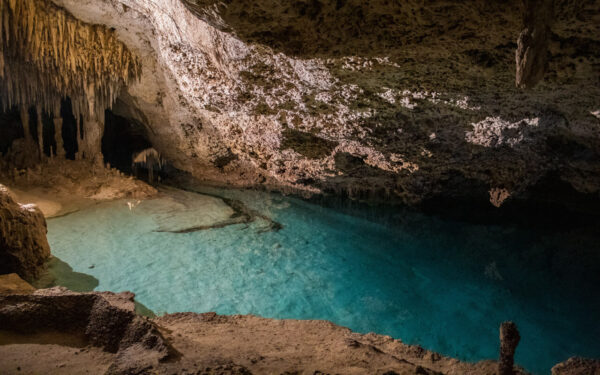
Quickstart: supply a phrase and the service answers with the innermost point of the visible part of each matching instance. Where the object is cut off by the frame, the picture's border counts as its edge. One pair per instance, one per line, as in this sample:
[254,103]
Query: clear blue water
[444,285]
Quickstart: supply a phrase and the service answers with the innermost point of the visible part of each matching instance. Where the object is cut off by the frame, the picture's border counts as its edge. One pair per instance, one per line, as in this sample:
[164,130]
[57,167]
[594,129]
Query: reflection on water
[443,284]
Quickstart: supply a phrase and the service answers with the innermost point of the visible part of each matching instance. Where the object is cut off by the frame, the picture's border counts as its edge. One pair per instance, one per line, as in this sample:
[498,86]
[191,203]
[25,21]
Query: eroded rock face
[23,244]
[422,93]
[107,320]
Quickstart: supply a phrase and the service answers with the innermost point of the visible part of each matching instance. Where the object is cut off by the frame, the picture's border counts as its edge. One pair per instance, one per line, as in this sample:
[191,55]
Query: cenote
[440,283]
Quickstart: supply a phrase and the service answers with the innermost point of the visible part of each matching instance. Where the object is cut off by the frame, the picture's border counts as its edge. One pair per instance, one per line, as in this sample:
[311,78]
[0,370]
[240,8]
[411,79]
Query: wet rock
[23,244]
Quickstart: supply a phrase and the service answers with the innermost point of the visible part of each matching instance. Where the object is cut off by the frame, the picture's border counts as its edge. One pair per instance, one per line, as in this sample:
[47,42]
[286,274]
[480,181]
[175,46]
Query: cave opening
[69,129]
[10,129]
[122,140]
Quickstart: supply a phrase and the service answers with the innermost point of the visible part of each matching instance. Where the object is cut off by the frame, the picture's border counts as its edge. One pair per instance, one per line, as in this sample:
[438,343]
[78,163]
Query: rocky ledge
[102,333]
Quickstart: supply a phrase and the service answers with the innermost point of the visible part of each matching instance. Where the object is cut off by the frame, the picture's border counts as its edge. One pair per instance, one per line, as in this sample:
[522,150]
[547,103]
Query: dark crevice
[122,139]
[69,129]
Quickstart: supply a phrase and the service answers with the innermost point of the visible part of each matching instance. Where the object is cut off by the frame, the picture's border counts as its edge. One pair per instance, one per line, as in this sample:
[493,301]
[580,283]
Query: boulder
[23,244]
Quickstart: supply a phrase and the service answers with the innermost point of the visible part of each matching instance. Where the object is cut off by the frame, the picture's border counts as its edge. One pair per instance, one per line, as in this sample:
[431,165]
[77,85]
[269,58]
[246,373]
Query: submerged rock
[23,244]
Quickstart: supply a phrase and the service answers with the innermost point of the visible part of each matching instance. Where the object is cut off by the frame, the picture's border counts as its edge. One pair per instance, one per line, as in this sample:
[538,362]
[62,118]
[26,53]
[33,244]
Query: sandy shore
[59,187]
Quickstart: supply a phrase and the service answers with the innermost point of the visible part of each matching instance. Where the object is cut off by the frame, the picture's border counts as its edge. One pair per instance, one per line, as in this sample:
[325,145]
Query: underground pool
[442,284]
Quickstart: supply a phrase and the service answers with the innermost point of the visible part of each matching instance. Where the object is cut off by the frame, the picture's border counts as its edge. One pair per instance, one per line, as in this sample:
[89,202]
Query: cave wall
[422,94]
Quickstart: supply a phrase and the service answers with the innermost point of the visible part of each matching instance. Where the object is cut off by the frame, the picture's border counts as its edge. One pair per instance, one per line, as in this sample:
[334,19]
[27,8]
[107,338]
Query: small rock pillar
[509,339]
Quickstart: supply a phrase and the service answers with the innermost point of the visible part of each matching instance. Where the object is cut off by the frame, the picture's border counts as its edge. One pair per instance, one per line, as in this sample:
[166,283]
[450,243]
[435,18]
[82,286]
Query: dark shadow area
[48,135]
[343,27]
[49,337]
[550,204]
[10,129]
[122,139]
[59,273]
[69,129]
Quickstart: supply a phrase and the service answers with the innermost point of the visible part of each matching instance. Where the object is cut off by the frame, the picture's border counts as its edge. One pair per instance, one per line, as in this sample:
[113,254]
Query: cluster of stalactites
[46,54]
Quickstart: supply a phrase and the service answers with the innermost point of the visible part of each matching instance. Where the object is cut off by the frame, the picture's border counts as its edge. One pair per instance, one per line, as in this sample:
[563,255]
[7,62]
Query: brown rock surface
[23,244]
[13,284]
[104,320]
[577,366]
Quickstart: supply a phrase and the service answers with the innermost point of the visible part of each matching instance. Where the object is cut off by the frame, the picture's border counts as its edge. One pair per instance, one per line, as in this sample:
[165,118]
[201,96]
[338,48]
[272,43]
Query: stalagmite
[60,147]
[509,339]
[90,147]
[25,123]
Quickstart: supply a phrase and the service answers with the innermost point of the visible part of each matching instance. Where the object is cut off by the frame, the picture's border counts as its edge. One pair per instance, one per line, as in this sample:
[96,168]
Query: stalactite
[46,54]
[40,130]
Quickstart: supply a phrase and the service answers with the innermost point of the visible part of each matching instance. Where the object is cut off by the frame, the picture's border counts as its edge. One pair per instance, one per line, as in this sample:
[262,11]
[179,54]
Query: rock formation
[509,339]
[577,366]
[189,343]
[425,103]
[107,320]
[47,55]
[23,244]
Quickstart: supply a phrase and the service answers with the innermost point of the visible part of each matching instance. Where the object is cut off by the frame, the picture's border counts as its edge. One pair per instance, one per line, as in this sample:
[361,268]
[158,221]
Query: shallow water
[441,284]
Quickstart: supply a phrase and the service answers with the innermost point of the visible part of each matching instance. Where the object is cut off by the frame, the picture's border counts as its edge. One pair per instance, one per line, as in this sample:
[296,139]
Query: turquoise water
[441,284]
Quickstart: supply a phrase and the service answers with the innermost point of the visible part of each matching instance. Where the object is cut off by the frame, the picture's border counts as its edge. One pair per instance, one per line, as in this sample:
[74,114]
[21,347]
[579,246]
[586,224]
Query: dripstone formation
[47,55]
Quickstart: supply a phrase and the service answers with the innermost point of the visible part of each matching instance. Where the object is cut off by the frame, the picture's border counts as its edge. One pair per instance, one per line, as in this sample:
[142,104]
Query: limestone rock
[23,244]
